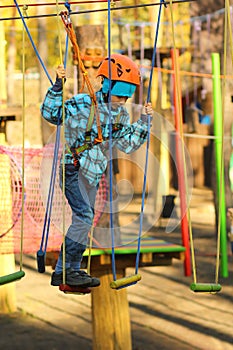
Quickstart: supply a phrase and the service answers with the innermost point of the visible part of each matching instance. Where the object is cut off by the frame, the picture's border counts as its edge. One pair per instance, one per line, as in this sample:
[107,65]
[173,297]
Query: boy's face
[118,100]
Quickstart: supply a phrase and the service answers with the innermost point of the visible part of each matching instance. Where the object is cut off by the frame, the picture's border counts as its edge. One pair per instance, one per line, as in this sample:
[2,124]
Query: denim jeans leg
[81,198]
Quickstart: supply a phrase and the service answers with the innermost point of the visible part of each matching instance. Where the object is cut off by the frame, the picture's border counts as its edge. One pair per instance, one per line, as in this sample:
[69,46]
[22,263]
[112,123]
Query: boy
[86,160]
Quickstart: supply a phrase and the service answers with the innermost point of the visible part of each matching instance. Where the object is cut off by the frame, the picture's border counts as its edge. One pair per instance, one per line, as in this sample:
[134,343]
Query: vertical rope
[32,42]
[184,205]
[142,56]
[148,140]
[23,149]
[127,26]
[63,149]
[90,248]
[110,143]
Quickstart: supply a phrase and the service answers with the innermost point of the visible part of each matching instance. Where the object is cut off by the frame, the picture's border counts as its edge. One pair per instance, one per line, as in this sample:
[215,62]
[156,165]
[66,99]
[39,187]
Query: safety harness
[94,106]
[117,126]
[76,151]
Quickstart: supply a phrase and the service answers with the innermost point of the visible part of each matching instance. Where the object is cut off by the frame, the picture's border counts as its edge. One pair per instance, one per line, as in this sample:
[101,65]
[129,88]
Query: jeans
[81,198]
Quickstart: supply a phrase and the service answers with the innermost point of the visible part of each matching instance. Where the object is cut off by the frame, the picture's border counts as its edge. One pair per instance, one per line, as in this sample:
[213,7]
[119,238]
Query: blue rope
[162,2]
[67,5]
[110,143]
[32,42]
[45,234]
[47,219]
[48,212]
[148,140]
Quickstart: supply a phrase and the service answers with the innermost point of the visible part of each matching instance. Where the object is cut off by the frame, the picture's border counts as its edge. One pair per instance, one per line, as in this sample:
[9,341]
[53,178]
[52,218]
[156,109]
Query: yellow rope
[23,147]
[89,251]
[63,150]
[228,15]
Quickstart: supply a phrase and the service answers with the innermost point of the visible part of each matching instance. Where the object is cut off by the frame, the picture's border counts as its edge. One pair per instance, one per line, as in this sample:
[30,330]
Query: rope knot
[67,5]
[165,4]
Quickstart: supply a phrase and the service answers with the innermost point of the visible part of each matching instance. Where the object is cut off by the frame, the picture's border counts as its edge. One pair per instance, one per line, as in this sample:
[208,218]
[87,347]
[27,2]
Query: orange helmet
[122,69]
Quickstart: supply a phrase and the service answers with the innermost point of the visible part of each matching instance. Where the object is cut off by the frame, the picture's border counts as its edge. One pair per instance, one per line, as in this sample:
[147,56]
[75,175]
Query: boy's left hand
[148,109]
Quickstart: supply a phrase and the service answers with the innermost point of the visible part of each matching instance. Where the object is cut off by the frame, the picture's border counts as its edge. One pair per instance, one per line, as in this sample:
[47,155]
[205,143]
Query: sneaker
[95,282]
[73,278]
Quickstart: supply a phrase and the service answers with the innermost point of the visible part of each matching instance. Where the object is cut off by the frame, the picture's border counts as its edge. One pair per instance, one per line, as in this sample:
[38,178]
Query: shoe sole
[73,284]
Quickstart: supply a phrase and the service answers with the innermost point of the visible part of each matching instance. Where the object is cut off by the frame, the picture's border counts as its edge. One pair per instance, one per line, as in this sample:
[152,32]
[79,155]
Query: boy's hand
[61,72]
[148,109]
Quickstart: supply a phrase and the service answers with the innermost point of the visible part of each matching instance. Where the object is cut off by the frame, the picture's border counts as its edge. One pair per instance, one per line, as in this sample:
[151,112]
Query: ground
[165,314]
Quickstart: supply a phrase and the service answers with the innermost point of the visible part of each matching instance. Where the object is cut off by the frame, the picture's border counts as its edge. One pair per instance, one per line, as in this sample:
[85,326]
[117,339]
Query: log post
[110,315]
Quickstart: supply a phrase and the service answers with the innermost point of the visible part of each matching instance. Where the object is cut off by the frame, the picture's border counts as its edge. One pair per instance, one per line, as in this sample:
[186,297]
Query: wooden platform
[110,309]
[153,252]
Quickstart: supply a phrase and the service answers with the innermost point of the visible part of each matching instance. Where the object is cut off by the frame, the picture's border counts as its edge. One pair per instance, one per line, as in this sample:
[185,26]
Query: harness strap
[76,151]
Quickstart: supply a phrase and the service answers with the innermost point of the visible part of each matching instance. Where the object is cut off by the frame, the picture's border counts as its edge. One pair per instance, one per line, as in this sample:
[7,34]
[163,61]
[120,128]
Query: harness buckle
[66,19]
[88,141]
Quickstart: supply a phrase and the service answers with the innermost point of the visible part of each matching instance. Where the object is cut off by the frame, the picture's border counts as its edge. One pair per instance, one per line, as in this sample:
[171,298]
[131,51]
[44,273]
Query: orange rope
[70,31]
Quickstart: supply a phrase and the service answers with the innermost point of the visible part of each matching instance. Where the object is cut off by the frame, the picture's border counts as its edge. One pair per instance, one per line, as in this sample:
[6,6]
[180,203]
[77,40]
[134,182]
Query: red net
[37,173]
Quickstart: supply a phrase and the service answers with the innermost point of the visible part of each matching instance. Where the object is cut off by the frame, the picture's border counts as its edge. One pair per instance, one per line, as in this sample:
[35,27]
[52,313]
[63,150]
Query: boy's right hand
[61,72]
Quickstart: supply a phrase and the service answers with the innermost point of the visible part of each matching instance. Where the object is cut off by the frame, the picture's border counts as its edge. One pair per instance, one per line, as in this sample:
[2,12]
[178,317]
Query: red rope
[59,3]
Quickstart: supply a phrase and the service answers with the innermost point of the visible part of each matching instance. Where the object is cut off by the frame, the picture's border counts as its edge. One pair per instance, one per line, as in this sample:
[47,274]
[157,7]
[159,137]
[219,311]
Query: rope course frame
[99,10]
[54,4]
[110,8]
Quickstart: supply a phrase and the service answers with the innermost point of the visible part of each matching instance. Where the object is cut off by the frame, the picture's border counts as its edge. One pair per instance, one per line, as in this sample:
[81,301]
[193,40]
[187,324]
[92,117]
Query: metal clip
[66,19]
[25,8]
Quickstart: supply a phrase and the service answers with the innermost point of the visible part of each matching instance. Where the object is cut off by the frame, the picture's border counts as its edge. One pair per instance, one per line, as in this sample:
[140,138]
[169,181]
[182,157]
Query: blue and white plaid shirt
[93,161]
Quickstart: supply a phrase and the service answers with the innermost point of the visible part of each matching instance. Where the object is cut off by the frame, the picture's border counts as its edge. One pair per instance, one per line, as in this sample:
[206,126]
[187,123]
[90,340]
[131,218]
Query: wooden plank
[146,257]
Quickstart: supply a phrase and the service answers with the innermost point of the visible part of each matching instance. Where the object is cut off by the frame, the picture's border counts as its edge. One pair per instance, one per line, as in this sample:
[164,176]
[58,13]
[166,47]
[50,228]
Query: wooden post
[110,316]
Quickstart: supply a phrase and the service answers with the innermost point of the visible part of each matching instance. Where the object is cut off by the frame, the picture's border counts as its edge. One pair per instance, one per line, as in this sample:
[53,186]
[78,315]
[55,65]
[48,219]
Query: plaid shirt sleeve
[131,136]
[51,107]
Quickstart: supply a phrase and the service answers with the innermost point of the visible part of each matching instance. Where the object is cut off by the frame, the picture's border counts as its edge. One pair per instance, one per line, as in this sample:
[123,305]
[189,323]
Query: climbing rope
[19,274]
[196,287]
[162,3]
[45,233]
[23,151]
[65,16]
[129,280]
